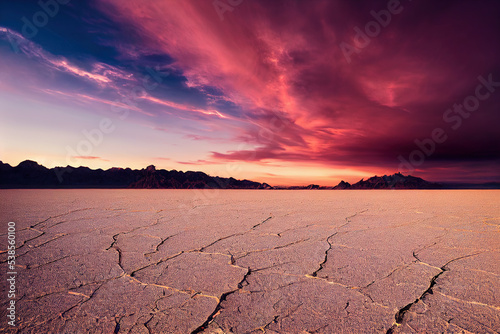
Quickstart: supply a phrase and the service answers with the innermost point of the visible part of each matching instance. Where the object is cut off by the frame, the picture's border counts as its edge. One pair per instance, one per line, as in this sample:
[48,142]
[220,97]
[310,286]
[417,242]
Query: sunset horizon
[60,171]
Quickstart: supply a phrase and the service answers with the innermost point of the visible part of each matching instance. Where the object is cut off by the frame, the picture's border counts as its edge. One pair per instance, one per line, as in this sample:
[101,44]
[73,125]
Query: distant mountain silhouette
[29,174]
[395,181]
[309,187]
[342,185]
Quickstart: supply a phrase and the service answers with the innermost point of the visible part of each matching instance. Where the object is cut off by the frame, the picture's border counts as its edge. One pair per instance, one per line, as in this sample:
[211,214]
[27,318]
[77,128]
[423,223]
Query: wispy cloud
[88,157]
[92,99]
[208,112]
[101,74]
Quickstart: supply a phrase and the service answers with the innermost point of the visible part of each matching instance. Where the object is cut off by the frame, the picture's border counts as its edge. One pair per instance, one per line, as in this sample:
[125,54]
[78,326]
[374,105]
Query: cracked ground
[250,261]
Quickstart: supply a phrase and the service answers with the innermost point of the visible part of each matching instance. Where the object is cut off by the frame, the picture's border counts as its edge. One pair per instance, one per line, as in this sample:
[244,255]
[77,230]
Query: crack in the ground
[272,248]
[399,316]
[266,326]
[315,273]
[348,219]
[147,323]
[69,290]
[117,326]
[120,258]
[202,249]
[292,229]
[31,248]
[235,234]
[56,236]
[62,214]
[157,248]
[28,240]
[448,323]
[232,260]
[118,249]
[58,223]
[404,266]
[496,308]
[115,239]
[132,274]
[189,293]
[416,252]
[345,308]
[86,300]
[279,316]
[218,307]
[115,236]
[291,243]
[314,331]
[274,289]
[46,263]
[262,222]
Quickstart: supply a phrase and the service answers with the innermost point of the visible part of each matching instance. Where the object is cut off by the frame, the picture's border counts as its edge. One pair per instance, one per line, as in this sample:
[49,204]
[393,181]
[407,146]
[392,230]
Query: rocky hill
[395,181]
[29,174]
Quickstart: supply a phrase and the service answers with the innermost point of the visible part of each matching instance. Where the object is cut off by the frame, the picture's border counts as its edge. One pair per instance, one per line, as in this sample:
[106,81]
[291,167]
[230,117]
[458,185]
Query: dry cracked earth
[252,261]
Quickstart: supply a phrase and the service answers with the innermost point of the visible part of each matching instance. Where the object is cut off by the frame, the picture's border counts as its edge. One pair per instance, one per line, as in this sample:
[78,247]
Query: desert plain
[253,261]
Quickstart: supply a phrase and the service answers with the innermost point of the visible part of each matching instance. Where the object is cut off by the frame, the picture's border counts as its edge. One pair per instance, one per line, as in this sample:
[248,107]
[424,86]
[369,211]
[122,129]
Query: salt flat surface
[254,261]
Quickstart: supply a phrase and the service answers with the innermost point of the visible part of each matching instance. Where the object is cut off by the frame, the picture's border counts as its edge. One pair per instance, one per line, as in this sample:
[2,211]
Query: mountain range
[30,174]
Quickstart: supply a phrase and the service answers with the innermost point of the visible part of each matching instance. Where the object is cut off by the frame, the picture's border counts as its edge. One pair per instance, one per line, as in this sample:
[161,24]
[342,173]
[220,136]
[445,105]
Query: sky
[285,92]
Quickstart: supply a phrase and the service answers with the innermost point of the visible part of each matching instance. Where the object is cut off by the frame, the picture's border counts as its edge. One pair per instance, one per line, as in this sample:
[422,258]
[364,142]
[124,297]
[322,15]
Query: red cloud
[88,157]
[301,101]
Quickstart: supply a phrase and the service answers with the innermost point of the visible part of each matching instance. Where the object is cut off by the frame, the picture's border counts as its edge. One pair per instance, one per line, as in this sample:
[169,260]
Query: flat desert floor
[253,261]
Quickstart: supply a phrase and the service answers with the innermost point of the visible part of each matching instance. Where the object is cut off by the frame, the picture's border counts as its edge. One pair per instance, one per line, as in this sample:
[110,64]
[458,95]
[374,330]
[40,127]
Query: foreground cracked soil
[251,261]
